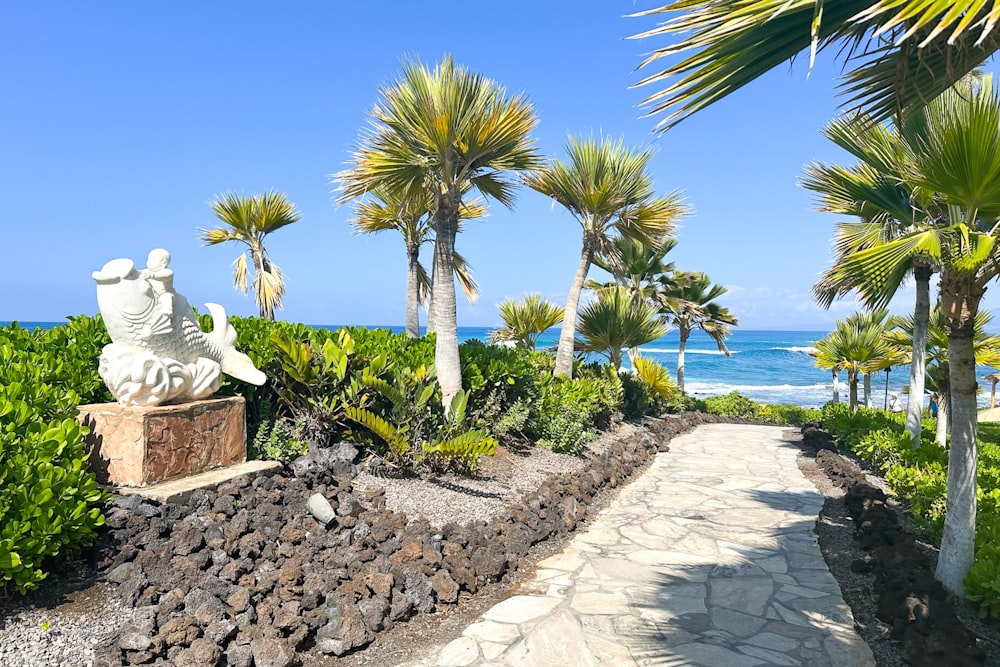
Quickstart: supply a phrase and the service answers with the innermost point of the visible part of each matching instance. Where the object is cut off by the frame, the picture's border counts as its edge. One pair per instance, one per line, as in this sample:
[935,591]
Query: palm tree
[524,320]
[637,266]
[446,131]
[688,301]
[878,322]
[828,354]
[614,321]
[606,186]
[248,220]
[986,348]
[902,52]
[875,191]
[956,157]
[858,347]
[411,217]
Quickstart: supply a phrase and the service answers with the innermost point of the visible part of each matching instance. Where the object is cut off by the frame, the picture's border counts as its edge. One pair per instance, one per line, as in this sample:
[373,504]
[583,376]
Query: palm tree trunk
[431,324]
[941,428]
[616,357]
[257,255]
[564,354]
[412,295]
[868,390]
[960,298]
[918,363]
[836,386]
[684,334]
[852,389]
[443,307]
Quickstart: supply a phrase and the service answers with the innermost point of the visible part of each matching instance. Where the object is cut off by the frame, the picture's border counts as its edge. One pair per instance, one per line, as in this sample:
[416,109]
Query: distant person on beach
[895,405]
[934,405]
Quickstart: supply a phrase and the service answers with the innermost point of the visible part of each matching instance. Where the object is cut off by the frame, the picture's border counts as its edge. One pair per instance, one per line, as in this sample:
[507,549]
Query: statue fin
[234,362]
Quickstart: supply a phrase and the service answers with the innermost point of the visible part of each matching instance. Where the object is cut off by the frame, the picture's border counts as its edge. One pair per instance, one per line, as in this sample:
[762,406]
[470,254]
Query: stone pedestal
[136,446]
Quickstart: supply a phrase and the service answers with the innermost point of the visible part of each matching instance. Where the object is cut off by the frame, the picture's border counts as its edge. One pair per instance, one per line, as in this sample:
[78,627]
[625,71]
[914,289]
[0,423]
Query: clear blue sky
[120,121]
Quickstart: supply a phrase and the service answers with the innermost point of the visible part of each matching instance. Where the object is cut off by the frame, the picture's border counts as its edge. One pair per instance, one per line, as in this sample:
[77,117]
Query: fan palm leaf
[249,220]
[903,52]
[614,321]
[526,319]
[444,131]
[607,187]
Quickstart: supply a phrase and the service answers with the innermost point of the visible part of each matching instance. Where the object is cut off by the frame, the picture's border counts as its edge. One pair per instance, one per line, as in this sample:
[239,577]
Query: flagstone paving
[709,558]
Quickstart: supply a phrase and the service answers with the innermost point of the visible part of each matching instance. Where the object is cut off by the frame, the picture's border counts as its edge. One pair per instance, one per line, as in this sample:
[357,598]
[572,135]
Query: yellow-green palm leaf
[248,219]
[902,53]
[526,319]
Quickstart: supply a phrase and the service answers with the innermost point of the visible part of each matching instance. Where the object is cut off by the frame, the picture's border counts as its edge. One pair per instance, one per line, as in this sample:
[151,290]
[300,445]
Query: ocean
[766,366]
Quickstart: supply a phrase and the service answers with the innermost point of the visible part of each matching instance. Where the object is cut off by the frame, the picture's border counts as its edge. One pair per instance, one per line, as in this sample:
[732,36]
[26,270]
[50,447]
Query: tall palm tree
[386,210]
[957,158]
[875,191]
[688,301]
[614,321]
[248,220]
[607,187]
[526,319]
[445,130]
[901,52]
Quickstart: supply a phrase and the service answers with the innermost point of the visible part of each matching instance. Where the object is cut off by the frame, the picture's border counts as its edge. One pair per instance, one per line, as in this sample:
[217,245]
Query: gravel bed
[501,481]
[54,633]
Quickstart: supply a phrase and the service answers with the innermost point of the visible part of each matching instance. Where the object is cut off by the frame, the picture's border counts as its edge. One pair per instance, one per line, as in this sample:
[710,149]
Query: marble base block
[136,446]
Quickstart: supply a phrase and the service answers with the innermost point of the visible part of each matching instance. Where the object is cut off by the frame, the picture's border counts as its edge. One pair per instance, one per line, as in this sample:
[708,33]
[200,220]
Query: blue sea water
[767,366]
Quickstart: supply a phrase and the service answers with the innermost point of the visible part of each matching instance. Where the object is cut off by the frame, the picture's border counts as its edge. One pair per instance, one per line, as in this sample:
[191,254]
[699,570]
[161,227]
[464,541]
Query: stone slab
[138,446]
[178,490]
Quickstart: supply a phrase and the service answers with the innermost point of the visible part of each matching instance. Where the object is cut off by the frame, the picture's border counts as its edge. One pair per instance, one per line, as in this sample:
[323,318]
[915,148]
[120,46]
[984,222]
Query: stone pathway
[709,558]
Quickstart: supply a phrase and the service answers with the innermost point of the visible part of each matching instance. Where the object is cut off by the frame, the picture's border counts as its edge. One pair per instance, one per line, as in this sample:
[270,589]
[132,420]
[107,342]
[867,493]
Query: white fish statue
[159,354]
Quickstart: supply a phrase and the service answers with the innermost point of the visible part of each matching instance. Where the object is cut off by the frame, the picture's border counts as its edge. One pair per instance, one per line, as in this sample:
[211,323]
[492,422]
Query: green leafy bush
[48,499]
[733,405]
[920,476]
[414,432]
[565,411]
[280,440]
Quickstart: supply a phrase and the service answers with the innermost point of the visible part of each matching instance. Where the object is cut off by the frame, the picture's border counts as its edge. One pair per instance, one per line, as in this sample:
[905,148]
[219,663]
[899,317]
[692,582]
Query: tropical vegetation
[446,131]
[525,320]
[386,210]
[248,220]
[951,155]
[898,54]
[688,299]
[607,188]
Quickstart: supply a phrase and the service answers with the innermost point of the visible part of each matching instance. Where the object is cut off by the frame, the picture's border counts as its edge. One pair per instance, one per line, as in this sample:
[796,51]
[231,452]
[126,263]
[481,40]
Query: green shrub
[566,412]
[48,499]
[733,405]
[413,430]
[788,415]
[280,440]
[982,584]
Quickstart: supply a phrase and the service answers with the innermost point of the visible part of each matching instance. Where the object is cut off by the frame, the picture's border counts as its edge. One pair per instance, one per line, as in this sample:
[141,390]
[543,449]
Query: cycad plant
[607,187]
[448,131]
[387,210]
[248,220]
[525,320]
[614,321]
